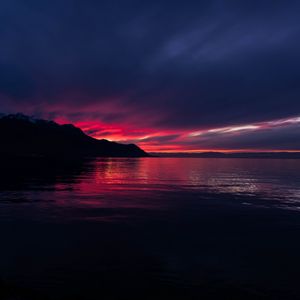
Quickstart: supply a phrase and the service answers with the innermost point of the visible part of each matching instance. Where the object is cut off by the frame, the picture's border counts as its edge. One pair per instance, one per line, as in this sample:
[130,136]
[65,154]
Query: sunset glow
[155,140]
[206,76]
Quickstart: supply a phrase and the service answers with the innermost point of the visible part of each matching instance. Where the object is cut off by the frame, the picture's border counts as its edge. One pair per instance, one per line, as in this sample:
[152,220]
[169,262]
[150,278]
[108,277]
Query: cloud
[273,135]
[159,66]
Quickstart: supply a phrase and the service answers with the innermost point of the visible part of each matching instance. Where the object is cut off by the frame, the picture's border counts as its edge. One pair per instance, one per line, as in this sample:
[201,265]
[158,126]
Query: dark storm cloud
[163,64]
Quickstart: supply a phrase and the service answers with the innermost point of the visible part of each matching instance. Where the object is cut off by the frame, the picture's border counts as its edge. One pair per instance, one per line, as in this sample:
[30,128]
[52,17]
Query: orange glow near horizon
[225,151]
[179,141]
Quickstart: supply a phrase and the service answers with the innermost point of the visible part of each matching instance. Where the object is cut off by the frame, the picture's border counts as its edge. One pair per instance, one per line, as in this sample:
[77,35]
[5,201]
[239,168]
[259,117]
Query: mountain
[24,136]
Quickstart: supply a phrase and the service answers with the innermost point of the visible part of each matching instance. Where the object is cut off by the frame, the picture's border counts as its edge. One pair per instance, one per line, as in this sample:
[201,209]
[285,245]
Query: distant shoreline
[264,155]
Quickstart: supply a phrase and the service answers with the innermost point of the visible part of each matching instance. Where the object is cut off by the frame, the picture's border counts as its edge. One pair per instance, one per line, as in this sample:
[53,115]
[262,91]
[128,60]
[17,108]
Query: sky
[167,75]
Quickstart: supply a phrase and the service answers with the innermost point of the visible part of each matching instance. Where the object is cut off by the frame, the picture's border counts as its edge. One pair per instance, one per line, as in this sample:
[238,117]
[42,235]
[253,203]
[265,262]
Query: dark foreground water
[150,228]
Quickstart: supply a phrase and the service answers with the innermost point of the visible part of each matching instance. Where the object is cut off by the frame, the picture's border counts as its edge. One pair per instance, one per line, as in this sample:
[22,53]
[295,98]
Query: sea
[150,228]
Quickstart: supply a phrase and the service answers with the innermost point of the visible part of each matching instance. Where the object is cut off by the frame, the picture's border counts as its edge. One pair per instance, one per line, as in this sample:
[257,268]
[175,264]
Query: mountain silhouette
[24,136]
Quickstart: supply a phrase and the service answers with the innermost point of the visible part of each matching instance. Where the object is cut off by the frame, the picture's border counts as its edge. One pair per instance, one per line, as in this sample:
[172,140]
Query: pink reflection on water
[133,182]
[120,187]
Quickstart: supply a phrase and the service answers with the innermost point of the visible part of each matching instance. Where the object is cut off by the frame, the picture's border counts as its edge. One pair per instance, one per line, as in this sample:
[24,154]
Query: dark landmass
[284,155]
[23,136]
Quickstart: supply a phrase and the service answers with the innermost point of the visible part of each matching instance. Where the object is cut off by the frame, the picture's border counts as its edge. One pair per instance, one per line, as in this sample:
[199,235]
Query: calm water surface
[164,227]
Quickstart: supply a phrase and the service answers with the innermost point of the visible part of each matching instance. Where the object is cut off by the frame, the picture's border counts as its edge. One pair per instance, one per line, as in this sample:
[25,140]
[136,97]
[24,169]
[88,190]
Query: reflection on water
[149,225]
[140,183]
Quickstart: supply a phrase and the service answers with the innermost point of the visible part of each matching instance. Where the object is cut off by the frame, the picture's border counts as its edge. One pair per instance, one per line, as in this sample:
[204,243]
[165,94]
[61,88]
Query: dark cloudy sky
[168,75]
